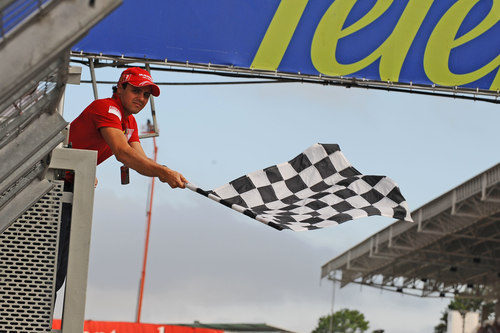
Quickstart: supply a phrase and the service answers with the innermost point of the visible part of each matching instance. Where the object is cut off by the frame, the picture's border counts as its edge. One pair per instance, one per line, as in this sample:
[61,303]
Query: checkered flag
[316,189]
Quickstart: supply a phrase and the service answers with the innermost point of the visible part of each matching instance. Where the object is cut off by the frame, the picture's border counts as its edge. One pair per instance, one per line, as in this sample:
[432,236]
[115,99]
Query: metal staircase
[35,38]
[30,128]
[34,47]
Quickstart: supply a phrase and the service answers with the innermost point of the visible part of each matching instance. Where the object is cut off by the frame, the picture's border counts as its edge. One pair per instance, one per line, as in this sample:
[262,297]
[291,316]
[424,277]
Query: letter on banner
[442,41]
[278,35]
[392,52]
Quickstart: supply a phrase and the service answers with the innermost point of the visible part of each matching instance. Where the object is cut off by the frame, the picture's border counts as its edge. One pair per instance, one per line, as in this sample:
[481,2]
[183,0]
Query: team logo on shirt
[114,110]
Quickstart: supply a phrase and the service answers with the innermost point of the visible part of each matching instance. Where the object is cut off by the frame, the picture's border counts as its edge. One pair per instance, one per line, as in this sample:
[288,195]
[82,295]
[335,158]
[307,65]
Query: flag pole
[238,208]
[148,228]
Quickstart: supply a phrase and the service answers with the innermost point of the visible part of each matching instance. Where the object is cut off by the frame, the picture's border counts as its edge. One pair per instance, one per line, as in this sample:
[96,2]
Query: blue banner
[443,42]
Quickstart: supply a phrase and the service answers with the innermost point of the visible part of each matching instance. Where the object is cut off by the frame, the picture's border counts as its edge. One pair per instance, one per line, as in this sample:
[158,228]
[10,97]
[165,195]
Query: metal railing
[342,81]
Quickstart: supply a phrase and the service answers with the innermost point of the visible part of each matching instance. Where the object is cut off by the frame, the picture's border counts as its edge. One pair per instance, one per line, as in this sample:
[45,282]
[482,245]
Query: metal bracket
[83,162]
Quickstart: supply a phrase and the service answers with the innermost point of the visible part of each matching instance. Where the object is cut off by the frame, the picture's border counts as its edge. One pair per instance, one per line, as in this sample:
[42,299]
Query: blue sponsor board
[442,42]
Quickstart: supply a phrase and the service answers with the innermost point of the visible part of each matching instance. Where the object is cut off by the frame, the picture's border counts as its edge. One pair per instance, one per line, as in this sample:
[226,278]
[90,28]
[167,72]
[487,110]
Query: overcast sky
[211,264]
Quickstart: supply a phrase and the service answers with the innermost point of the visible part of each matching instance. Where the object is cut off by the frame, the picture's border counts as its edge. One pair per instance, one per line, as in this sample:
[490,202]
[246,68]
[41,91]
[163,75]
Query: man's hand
[173,178]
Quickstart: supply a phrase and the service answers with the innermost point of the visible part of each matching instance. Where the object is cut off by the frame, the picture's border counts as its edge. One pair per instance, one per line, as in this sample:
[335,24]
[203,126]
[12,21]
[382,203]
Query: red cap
[139,77]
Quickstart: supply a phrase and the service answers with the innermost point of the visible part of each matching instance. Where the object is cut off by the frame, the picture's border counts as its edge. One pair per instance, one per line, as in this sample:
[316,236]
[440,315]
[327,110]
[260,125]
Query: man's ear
[119,89]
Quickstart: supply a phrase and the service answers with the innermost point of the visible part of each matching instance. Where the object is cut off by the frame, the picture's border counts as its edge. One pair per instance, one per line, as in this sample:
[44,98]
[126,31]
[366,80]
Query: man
[109,127]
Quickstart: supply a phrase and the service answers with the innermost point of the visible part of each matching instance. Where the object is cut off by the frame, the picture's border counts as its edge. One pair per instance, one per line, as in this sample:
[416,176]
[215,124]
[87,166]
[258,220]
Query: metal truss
[452,249]
[100,60]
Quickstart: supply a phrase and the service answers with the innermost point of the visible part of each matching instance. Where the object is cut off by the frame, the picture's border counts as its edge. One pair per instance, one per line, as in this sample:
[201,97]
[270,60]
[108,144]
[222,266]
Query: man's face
[133,99]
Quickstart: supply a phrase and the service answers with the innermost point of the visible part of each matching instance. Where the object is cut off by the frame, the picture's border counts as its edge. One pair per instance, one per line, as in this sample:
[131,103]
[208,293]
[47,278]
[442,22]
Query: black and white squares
[316,189]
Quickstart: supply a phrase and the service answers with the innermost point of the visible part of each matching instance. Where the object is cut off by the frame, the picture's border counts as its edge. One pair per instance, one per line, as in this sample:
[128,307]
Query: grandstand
[452,249]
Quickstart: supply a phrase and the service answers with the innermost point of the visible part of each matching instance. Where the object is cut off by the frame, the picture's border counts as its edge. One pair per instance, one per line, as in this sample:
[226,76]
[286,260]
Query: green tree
[342,321]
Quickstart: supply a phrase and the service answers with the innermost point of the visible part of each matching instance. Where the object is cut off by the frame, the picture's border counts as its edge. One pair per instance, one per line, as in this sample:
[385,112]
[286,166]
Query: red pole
[148,227]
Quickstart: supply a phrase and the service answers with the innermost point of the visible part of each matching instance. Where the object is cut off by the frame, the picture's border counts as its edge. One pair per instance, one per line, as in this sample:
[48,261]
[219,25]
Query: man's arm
[138,147]
[135,158]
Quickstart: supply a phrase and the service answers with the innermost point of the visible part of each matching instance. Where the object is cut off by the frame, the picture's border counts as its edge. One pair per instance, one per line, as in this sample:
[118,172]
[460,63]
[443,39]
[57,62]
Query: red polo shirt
[84,130]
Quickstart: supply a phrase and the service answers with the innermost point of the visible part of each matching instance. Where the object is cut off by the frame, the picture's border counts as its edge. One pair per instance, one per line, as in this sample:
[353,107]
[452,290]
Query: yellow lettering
[278,35]
[442,41]
[391,52]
